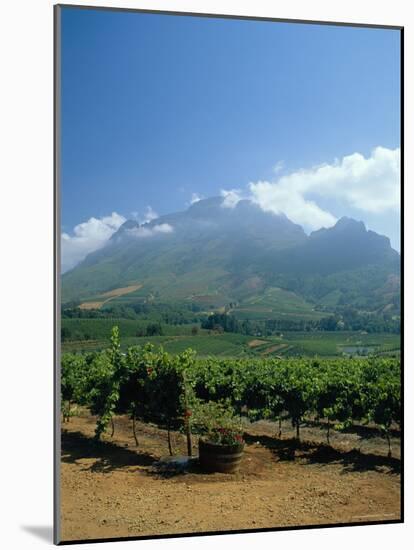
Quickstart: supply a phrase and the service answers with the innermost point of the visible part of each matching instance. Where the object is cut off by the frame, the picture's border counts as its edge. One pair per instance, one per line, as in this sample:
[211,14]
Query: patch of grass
[177,338]
[232,345]
[276,303]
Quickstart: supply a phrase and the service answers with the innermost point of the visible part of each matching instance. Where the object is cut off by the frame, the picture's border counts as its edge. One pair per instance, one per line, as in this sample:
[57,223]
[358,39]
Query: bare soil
[256,342]
[274,348]
[109,296]
[115,489]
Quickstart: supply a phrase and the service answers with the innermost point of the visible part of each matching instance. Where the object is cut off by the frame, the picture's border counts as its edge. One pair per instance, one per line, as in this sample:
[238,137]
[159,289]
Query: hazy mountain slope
[206,239]
[347,245]
[237,254]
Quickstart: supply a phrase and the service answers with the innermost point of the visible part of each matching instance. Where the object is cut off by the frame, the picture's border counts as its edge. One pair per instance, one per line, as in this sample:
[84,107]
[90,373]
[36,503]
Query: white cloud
[370,185]
[163,228]
[87,237]
[231,197]
[144,231]
[195,197]
[281,199]
[278,167]
[150,214]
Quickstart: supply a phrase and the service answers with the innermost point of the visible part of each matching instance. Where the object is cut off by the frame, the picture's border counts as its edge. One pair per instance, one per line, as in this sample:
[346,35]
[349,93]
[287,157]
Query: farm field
[176,338]
[231,345]
[338,343]
[102,299]
[276,303]
[101,328]
[115,489]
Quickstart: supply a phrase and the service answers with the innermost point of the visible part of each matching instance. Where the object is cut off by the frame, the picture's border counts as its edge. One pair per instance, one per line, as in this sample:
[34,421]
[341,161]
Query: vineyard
[171,391]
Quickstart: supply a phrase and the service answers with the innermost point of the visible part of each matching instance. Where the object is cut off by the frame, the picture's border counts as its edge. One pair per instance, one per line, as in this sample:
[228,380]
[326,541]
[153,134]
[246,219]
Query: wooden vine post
[187,422]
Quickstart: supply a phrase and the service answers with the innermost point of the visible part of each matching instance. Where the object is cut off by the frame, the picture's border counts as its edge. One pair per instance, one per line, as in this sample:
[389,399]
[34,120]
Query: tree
[154,329]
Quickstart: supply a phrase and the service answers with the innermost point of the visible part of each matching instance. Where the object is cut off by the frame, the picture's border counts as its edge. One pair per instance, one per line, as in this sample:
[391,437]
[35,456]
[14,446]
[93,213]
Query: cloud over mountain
[369,185]
[150,231]
[196,197]
[87,237]
[231,197]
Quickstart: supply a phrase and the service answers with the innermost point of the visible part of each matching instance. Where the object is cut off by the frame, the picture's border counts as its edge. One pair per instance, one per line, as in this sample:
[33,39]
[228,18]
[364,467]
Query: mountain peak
[129,224]
[212,249]
[349,223]
[344,225]
[206,204]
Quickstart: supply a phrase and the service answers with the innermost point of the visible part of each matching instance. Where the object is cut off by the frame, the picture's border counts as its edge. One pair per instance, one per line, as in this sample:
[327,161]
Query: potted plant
[221,440]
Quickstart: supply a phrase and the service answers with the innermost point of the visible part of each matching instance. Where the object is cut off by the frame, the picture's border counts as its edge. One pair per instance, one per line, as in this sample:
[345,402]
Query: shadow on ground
[109,456]
[320,453]
[365,432]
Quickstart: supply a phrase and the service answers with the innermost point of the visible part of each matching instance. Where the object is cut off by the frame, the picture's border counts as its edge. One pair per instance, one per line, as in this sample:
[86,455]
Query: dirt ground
[115,489]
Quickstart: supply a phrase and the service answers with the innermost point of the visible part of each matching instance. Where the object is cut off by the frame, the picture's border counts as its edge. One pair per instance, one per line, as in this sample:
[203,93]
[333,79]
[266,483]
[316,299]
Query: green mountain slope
[258,262]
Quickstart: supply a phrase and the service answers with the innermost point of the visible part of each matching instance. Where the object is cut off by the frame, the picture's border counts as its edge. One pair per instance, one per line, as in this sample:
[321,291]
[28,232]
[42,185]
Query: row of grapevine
[340,391]
[154,386]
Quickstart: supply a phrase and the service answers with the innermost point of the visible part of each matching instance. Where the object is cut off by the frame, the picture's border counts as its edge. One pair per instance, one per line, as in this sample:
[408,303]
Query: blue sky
[157,109]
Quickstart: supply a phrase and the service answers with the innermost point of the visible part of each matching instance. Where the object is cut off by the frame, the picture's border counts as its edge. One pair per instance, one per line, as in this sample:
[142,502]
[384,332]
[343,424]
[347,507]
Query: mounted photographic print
[228,274]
